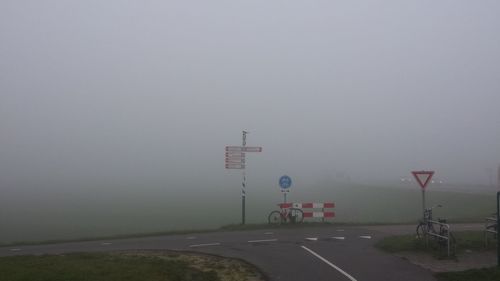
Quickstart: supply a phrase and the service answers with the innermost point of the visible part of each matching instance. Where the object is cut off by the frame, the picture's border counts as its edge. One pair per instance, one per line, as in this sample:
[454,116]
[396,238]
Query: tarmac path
[302,254]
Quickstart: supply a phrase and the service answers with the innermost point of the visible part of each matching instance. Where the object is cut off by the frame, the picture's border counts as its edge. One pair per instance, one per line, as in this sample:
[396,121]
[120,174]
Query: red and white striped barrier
[313,206]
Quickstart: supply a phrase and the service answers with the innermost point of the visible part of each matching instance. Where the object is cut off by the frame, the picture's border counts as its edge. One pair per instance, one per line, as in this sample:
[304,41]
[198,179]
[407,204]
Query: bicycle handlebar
[435,206]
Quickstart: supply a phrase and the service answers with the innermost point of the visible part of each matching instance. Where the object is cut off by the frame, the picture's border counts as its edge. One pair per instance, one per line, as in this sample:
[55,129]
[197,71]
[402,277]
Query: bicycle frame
[428,228]
[286,215]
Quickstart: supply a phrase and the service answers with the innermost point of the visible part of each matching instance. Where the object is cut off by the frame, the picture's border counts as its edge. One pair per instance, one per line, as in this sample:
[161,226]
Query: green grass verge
[157,210]
[124,267]
[465,240]
[483,274]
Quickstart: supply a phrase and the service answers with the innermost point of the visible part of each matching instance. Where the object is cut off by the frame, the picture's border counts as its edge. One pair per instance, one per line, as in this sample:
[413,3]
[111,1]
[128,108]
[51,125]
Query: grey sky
[97,93]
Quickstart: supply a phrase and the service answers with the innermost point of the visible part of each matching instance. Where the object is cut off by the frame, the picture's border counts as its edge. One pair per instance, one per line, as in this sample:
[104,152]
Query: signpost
[285,183]
[423,178]
[498,230]
[244,148]
[235,166]
[498,179]
[235,159]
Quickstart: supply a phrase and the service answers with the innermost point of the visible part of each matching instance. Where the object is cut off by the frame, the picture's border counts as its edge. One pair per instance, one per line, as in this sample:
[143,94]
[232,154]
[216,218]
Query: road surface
[303,254]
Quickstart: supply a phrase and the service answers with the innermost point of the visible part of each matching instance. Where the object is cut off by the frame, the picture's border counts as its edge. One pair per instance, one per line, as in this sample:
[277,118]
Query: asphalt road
[322,253]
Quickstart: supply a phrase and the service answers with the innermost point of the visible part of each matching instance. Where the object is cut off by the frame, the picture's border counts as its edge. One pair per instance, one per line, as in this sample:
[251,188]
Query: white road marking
[339,237]
[365,237]
[190,238]
[260,241]
[15,250]
[268,233]
[340,230]
[106,243]
[204,245]
[329,263]
[312,239]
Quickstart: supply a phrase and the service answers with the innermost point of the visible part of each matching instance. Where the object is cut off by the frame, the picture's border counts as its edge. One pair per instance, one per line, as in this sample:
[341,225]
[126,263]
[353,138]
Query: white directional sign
[234,157]
[235,160]
[235,166]
[243,148]
[235,154]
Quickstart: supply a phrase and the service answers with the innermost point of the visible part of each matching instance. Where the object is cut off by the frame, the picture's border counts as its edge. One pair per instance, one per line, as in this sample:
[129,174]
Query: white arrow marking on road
[365,237]
[260,241]
[339,238]
[329,263]
[204,245]
[312,239]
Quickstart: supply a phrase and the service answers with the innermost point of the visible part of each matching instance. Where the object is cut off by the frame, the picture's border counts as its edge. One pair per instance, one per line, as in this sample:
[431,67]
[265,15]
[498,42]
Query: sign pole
[285,182]
[423,178]
[423,202]
[498,177]
[498,229]
[235,159]
[243,183]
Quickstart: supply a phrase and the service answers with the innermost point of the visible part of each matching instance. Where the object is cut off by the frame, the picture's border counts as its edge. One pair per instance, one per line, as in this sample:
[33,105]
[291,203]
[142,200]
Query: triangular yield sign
[423,177]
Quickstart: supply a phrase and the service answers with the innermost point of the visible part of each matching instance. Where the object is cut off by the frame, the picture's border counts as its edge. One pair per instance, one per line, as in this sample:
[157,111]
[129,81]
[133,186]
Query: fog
[107,106]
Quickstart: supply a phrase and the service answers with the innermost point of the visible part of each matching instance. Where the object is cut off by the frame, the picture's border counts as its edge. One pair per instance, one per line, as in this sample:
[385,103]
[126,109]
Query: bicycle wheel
[421,230]
[297,216]
[275,217]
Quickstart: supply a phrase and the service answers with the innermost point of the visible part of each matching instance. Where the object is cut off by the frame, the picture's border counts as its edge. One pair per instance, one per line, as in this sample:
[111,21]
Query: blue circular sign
[285,182]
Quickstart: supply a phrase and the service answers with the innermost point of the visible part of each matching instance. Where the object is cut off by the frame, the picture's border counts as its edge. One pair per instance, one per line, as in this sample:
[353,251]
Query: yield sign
[423,177]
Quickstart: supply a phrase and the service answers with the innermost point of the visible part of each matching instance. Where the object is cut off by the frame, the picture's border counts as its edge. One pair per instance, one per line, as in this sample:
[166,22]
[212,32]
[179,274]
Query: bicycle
[286,214]
[426,227]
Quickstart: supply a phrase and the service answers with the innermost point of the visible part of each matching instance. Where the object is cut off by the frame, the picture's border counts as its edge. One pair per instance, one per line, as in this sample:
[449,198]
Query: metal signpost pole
[498,178]
[285,182]
[243,183]
[423,182]
[423,178]
[423,203]
[235,159]
[498,228]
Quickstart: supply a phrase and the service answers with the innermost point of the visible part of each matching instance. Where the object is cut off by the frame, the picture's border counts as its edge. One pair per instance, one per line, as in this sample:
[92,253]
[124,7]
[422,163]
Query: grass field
[483,274]
[136,266]
[133,211]
[465,240]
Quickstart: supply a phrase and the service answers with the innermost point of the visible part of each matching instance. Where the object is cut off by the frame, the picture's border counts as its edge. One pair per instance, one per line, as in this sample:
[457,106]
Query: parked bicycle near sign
[286,214]
[442,235]
[425,225]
